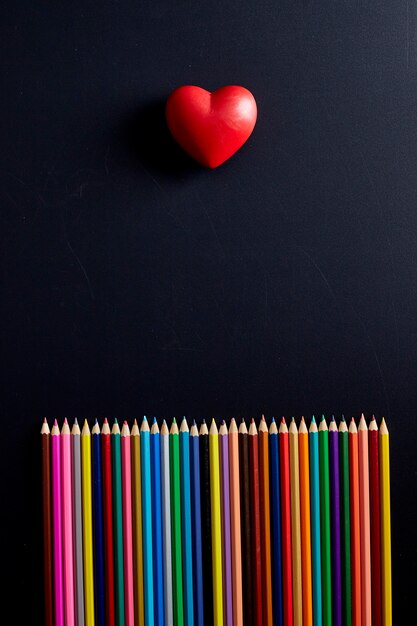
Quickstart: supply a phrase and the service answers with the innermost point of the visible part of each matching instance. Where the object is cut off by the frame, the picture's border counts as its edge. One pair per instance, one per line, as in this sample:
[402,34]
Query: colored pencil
[116,463]
[345,523]
[145,457]
[158,560]
[107,523]
[196,526]
[256,521]
[313,440]
[57,524]
[216,525]
[235,524]
[47,523]
[305,523]
[365,528]
[87,525]
[335,523]
[127,525]
[137,525]
[375,523]
[326,566]
[177,585]
[67,525]
[355,541]
[275,524]
[245,527]
[166,524]
[206,523]
[78,523]
[284,457]
[226,538]
[265,510]
[99,590]
[187,545]
[297,589]
[384,465]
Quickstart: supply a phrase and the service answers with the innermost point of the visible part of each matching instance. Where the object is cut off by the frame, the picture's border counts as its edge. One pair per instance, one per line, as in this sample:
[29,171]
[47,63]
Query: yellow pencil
[216,525]
[87,525]
[295,525]
[137,524]
[384,479]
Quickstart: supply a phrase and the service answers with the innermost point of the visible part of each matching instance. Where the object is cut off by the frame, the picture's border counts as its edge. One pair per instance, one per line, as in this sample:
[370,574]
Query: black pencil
[206,523]
[245,517]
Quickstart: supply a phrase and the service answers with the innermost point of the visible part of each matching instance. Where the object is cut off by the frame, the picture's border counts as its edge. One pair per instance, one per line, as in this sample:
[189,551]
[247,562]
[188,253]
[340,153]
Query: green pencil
[345,522]
[326,568]
[177,589]
[116,463]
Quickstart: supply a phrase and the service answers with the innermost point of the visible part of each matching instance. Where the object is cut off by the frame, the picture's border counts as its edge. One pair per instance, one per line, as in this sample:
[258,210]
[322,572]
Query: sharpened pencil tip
[313,419]
[282,420]
[333,419]
[174,421]
[105,420]
[65,421]
[273,420]
[343,418]
[322,418]
[55,422]
[154,420]
[135,422]
[194,424]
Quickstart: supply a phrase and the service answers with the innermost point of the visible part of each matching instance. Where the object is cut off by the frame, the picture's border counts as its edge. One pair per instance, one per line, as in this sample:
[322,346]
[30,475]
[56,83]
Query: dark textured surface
[134,281]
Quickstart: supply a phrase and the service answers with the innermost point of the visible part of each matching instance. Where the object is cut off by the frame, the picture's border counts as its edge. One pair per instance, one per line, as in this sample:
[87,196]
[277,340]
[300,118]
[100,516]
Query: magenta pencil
[127,526]
[67,526]
[57,524]
[225,505]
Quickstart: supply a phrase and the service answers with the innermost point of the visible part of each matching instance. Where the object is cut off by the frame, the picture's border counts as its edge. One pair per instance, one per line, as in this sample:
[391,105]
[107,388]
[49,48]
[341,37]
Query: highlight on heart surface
[211,126]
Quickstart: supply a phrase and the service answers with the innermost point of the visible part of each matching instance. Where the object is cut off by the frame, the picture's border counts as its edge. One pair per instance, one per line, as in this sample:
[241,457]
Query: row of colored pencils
[225,527]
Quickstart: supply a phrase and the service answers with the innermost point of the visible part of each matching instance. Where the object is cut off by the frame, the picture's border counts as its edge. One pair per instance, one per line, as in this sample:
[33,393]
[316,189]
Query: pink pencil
[365,524]
[127,526]
[57,523]
[67,530]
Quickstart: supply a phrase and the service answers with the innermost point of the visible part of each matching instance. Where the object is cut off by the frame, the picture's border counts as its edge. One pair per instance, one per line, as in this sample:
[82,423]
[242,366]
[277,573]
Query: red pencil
[284,459]
[375,523]
[256,521]
[108,523]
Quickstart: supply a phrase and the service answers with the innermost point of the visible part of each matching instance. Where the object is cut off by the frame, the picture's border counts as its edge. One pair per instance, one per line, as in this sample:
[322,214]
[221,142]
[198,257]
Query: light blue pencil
[315,521]
[158,570]
[145,457]
[187,533]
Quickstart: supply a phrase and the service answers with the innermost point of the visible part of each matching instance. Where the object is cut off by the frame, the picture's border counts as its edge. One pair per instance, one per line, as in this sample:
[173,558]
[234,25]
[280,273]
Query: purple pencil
[57,524]
[225,500]
[335,522]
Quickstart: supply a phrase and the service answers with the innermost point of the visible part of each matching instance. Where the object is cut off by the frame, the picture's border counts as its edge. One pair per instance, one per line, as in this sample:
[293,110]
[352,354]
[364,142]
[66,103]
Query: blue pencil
[196,522]
[99,592]
[275,524]
[145,457]
[187,544]
[158,570]
[315,522]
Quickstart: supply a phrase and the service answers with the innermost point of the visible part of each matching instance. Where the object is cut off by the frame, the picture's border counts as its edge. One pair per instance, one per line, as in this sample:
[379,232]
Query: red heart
[211,127]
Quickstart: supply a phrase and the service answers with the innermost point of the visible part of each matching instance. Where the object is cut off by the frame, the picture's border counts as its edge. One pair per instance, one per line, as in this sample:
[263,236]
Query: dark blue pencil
[158,570]
[99,592]
[196,524]
[275,524]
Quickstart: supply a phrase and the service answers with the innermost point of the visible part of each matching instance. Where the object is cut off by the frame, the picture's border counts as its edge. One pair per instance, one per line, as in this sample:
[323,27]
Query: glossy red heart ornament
[211,127]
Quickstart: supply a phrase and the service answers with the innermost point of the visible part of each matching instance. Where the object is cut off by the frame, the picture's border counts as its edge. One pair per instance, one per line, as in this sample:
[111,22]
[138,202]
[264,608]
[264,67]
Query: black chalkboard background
[134,281]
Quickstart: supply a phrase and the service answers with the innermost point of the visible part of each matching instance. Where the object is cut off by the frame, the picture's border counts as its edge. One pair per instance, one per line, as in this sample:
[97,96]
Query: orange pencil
[265,522]
[365,523]
[355,537]
[305,524]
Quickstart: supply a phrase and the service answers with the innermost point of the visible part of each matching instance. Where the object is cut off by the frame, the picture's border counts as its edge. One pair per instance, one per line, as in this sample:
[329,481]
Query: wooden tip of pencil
[383,430]
[145,426]
[293,427]
[233,426]
[343,426]
[55,428]
[194,430]
[352,426]
[184,426]
[243,430]
[115,428]
[323,424]
[333,426]
[213,428]
[86,429]
[174,428]
[362,423]
[252,428]
[303,427]
[372,424]
[283,420]
[203,428]
[155,427]
[164,428]
[283,428]
[105,429]
[45,427]
[75,430]
[313,426]
[223,429]
[135,430]
[273,430]
[96,429]
[125,430]
[263,428]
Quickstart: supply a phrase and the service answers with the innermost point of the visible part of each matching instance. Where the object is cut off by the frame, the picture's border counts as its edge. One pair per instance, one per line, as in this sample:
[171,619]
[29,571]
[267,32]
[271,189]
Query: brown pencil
[265,522]
[47,537]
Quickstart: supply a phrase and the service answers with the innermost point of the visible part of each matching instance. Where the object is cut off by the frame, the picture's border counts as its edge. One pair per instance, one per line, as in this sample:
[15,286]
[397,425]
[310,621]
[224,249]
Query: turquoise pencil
[187,533]
[145,456]
[315,522]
